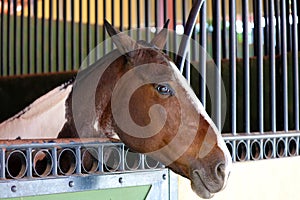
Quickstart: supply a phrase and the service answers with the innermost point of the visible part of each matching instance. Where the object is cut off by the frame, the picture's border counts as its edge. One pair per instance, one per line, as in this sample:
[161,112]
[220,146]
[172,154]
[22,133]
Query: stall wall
[256,180]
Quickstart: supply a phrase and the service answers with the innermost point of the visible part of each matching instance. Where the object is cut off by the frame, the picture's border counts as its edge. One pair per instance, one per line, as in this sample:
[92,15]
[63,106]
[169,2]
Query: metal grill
[75,165]
[258,41]
[69,157]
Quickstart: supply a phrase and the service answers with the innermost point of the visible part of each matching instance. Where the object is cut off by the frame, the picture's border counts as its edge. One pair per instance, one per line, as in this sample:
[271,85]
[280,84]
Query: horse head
[154,111]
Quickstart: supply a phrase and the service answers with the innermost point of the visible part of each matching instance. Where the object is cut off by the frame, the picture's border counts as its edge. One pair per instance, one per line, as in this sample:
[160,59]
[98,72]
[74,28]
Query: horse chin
[199,187]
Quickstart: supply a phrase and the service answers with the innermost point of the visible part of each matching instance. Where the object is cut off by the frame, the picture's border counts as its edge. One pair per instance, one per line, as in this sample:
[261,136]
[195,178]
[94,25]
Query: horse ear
[124,43]
[160,39]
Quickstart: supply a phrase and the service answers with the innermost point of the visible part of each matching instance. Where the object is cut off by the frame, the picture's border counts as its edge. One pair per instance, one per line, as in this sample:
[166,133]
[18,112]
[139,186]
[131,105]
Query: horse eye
[164,89]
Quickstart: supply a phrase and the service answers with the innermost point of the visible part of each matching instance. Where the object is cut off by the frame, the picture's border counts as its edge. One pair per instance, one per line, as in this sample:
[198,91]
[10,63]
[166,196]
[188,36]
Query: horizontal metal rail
[258,146]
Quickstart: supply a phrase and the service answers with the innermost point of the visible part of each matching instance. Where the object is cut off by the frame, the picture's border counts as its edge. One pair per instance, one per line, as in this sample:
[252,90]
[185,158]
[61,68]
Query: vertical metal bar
[232,60]
[15,37]
[287,24]
[22,39]
[112,17]
[217,59]
[57,35]
[298,9]
[96,30]
[174,25]
[224,32]
[8,40]
[165,11]
[1,40]
[2,153]
[146,9]
[35,10]
[272,65]
[50,37]
[80,33]
[259,54]
[277,31]
[65,41]
[129,16]
[29,161]
[295,63]
[121,15]
[284,63]
[246,64]
[138,14]
[28,38]
[156,13]
[54,161]
[73,41]
[202,63]
[78,158]
[88,30]
[43,37]
[104,33]
[266,28]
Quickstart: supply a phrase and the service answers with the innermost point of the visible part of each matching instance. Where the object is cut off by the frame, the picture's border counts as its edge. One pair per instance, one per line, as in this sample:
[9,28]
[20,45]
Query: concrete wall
[256,180]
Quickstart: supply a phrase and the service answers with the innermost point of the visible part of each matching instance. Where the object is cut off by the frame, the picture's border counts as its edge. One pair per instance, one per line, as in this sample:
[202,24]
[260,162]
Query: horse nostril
[220,171]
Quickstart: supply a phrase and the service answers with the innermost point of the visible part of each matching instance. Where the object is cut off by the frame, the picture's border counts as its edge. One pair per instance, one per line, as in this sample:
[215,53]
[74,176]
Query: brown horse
[137,94]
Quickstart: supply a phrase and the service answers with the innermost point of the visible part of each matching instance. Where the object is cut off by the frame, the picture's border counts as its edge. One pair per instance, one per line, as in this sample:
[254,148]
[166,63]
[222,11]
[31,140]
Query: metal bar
[286,7]
[146,10]
[28,38]
[278,35]
[50,69]
[29,161]
[165,10]
[258,136]
[54,161]
[15,37]
[121,15]
[35,10]
[2,158]
[246,64]
[284,63]
[57,36]
[112,17]
[138,14]
[43,42]
[202,63]
[272,65]
[65,35]
[2,40]
[129,16]
[174,26]
[22,39]
[259,54]
[266,28]
[8,40]
[155,13]
[232,60]
[224,32]
[295,63]
[96,30]
[104,32]
[80,32]
[73,41]
[88,31]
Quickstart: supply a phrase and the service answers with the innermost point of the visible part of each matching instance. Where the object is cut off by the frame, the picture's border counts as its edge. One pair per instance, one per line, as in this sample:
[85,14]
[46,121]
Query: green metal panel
[126,193]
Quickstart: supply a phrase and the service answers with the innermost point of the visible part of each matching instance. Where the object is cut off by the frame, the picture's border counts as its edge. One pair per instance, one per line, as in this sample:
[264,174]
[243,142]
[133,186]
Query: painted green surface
[127,193]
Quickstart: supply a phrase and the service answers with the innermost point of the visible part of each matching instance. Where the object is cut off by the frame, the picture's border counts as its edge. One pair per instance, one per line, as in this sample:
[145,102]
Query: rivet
[120,180]
[71,184]
[13,188]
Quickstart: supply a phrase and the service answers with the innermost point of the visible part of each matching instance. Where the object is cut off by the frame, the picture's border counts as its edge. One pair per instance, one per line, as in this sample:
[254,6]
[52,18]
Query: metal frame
[114,168]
